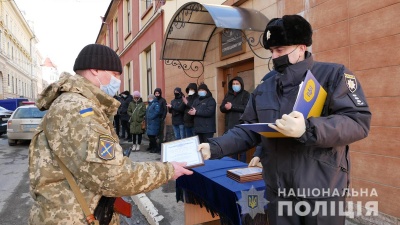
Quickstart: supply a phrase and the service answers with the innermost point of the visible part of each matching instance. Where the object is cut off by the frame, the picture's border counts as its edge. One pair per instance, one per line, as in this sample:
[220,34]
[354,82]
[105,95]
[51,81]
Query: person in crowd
[163,113]
[311,165]
[233,106]
[126,98]
[191,91]
[177,109]
[75,145]
[203,110]
[153,121]
[136,112]
[117,122]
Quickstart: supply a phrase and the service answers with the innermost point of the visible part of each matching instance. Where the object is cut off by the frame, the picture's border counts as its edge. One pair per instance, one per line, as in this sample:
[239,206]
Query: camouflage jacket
[77,128]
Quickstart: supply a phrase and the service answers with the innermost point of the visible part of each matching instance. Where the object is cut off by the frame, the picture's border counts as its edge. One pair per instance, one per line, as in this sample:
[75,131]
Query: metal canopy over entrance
[193,25]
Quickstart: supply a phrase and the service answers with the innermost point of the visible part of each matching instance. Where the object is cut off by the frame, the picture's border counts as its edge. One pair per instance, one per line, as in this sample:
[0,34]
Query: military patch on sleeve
[86,112]
[357,100]
[106,148]
[351,82]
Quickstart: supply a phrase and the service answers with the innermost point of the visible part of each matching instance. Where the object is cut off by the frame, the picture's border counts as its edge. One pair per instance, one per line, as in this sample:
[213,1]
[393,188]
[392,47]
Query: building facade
[19,57]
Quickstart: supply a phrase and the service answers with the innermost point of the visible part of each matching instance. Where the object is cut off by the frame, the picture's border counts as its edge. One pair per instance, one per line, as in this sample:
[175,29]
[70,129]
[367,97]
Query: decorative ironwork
[192,69]
[184,16]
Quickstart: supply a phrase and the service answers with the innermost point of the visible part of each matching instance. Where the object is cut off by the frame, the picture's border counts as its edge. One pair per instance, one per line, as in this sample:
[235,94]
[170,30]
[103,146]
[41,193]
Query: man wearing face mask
[306,174]
[191,91]
[233,106]
[76,146]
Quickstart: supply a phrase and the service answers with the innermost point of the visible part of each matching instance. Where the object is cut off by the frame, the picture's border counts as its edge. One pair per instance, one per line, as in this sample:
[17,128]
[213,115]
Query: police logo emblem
[106,147]
[351,82]
[252,202]
[268,35]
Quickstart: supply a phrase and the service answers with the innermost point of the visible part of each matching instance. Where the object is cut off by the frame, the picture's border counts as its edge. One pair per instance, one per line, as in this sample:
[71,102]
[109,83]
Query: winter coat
[239,101]
[78,129]
[187,118]
[177,109]
[163,104]
[204,120]
[136,112]
[320,158]
[123,110]
[153,120]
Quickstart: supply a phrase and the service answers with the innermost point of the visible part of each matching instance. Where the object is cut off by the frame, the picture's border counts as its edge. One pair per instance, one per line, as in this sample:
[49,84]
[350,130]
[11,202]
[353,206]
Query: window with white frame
[116,33]
[128,76]
[149,71]
[148,3]
[128,16]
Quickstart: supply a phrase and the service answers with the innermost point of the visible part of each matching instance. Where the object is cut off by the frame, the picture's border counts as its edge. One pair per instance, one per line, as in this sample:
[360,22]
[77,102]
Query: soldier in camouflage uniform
[78,129]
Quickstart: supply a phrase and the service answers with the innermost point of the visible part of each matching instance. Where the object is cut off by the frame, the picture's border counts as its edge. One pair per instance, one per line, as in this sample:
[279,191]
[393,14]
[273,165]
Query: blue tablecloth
[210,187]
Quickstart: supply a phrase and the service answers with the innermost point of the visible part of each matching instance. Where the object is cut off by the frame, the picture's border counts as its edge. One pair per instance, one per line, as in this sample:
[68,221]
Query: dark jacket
[123,109]
[239,101]
[187,118]
[204,120]
[163,104]
[318,159]
[136,112]
[153,119]
[177,109]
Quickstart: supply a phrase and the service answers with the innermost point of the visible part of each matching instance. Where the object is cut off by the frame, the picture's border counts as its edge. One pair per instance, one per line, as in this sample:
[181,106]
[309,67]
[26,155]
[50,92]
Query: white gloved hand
[204,148]
[292,125]
[255,161]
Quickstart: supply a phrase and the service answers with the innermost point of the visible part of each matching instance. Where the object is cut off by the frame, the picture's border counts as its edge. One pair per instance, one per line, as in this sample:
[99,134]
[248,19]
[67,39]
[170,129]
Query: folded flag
[310,102]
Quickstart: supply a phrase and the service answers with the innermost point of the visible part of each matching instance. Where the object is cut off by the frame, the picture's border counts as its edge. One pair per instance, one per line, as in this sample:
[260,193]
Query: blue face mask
[202,93]
[111,88]
[150,100]
[236,88]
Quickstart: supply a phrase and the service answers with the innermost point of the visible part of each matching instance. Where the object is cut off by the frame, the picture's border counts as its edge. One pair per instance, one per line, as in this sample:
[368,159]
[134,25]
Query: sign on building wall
[231,43]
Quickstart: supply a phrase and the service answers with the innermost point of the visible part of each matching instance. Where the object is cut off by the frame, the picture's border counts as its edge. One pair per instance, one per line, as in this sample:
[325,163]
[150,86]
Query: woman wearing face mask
[188,120]
[203,110]
[136,112]
[153,121]
[177,108]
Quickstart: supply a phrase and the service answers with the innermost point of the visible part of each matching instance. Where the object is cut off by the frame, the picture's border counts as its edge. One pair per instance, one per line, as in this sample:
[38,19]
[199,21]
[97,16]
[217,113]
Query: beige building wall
[365,37]
[19,63]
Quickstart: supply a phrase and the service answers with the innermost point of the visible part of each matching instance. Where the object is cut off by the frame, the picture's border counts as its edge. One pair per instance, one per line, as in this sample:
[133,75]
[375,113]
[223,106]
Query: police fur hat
[288,30]
[96,56]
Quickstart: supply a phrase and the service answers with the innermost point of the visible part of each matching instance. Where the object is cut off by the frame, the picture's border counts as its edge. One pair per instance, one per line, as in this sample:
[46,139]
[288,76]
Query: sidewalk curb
[147,208]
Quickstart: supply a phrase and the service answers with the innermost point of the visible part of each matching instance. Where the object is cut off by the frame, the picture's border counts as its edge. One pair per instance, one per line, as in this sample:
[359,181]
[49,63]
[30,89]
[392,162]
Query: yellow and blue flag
[310,102]
[311,97]
[86,112]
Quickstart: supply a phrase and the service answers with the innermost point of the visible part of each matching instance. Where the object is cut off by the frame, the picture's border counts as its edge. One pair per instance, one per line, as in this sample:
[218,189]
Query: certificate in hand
[182,150]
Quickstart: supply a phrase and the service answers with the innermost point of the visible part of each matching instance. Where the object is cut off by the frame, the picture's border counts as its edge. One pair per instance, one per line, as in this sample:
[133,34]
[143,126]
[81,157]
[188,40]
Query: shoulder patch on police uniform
[86,112]
[351,82]
[357,100]
[106,148]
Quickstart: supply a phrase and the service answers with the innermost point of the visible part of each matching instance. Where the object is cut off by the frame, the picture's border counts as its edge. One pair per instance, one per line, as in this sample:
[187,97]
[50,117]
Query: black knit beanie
[96,56]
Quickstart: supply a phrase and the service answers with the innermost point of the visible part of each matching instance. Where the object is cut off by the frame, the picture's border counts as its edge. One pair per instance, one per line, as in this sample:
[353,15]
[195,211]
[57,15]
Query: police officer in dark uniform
[306,174]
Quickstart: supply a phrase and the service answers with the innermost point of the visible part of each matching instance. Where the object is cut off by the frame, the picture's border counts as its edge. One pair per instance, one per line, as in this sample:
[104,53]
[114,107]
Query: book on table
[310,102]
[246,174]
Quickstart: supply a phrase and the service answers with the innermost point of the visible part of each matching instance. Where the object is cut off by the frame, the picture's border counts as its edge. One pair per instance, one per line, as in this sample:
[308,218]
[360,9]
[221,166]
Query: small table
[210,187]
